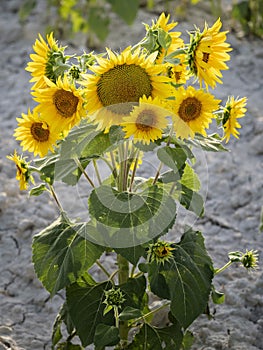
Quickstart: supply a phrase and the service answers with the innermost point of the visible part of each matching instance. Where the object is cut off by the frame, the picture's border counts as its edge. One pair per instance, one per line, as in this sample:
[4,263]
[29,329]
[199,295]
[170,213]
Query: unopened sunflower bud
[250,259]
[160,252]
[114,297]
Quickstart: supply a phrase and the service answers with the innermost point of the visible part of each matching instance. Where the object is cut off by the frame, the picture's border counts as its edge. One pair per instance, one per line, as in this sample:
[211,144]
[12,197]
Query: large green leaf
[191,200]
[186,279]
[62,316]
[106,335]
[133,218]
[98,22]
[85,305]
[132,254]
[190,179]
[126,9]
[174,158]
[152,338]
[134,291]
[187,197]
[61,255]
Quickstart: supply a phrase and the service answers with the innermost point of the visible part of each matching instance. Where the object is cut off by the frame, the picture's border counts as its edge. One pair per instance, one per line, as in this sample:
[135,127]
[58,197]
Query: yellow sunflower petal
[147,120]
[60,104]
[207,54]
[35,134]
[194,108]
[234,109]
[118,84]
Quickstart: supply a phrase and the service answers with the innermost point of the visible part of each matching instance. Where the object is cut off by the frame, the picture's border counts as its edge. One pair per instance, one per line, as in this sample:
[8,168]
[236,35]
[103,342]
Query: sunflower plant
[121,128]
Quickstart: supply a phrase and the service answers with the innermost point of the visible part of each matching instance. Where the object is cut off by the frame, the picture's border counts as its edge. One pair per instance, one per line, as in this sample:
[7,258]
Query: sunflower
[22,172]
[178,72]
[163,28]
[147,120]
[35,134]
[160,252]
[193,111]
[119,82]
[47,55]
[60,103]
[207,54]
[234,109]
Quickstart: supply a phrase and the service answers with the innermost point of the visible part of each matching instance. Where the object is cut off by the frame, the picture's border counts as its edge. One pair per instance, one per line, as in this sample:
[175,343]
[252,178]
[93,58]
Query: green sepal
[217,297]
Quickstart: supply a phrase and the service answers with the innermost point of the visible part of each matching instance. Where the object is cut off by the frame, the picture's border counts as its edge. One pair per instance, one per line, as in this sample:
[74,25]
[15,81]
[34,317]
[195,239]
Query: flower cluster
[142,89]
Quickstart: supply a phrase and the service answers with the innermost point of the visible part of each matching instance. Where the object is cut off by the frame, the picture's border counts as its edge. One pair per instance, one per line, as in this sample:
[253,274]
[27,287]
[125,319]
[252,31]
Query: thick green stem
[123,275]
[223,268]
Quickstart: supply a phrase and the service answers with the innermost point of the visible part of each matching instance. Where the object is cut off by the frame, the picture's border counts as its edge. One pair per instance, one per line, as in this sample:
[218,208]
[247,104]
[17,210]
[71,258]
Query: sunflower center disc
[123,84]
[145,120]
[66,103]
[39,133]
[190,109]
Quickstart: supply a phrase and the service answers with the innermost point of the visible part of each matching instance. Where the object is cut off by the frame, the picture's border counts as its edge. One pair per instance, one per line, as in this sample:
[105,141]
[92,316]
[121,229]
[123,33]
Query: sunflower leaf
[152,338]
[190,179]
[98,22]
[85,305]
[126,9]
[186,279]
[133,218]
[61,255]
[174,158]
[210,143]
[106,335]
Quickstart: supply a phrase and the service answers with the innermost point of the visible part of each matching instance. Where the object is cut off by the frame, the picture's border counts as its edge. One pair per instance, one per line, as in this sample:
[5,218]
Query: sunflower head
[161,38]
[118,83]
[61,104]
[233,110]
[147,120]
[160,252]
[23,174]
[47,61]
[207,54]
[35,134]
[178,72]
[192,111]
[249,259]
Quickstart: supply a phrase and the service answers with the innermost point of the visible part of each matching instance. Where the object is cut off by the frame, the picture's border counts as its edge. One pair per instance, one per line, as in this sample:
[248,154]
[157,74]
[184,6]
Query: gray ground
[233,200]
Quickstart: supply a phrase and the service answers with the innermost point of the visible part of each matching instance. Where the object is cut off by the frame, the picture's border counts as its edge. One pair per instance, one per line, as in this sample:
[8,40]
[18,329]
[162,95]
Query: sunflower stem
[223,268]
[52,191]
[123,275]
[84,172]
[157,173]
[134,169]
[103,268]
[97,171]
[123,172]
[150,313]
